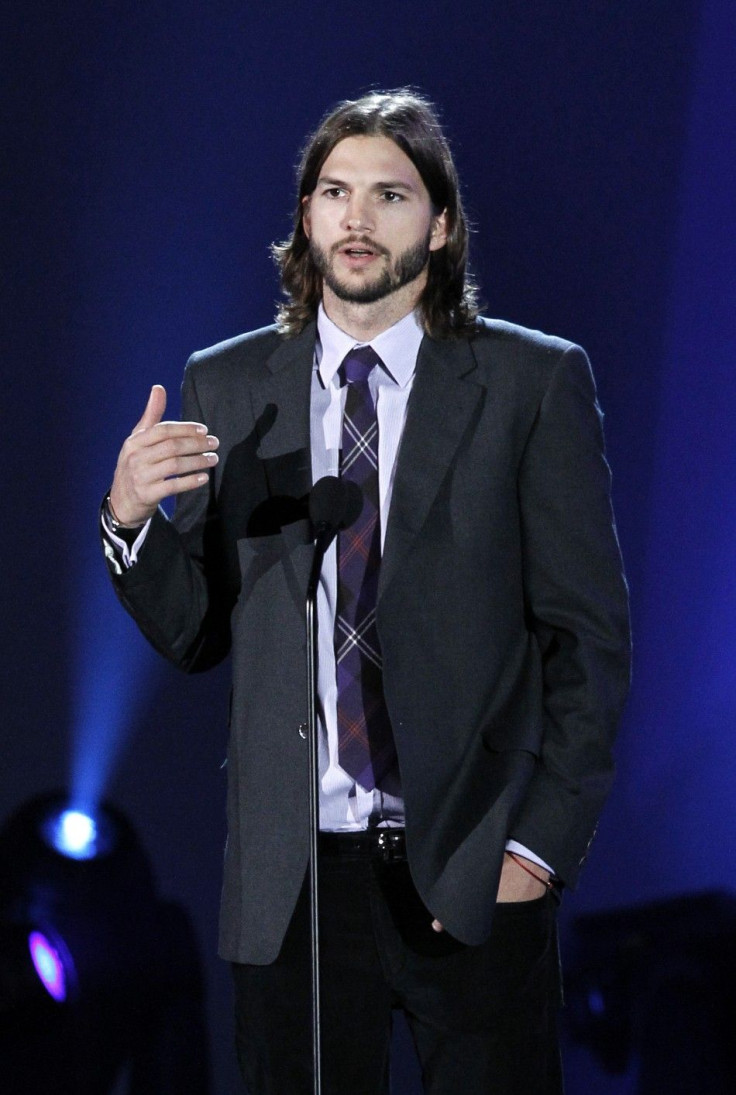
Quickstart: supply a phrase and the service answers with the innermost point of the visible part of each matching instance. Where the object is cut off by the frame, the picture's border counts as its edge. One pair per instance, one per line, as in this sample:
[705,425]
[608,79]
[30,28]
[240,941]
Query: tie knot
[358,365]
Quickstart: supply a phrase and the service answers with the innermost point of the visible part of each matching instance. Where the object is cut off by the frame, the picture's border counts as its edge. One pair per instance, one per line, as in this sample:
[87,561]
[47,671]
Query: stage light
[99,977]
[77,886]
[48,963]
[77,834]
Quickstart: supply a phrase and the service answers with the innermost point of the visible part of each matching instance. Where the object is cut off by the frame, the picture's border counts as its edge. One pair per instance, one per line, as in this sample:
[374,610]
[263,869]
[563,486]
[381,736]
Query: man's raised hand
[157,460]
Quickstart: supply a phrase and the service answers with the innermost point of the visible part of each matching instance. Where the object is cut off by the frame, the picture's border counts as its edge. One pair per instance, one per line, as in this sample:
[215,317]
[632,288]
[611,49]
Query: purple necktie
[365,741]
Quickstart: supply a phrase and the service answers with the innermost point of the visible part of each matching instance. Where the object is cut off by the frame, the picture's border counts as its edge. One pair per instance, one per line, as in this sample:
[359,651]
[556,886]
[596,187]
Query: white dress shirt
[344,804]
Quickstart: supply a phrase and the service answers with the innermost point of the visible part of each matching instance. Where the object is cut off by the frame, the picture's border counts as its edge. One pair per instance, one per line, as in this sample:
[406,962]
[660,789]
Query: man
[473,637]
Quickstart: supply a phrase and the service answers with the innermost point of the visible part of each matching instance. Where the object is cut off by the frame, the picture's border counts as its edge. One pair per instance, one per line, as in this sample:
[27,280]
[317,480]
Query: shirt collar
[397,348]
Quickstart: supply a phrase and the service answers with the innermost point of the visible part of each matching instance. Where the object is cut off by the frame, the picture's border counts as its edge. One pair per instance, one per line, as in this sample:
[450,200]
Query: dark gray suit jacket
[502,614]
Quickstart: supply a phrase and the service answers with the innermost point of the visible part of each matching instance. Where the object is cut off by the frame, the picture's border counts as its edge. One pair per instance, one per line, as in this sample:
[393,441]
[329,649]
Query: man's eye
[392,196]
[334,192]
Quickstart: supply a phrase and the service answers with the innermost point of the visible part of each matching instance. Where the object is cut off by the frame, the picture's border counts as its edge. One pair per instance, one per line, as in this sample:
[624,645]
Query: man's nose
[358,215]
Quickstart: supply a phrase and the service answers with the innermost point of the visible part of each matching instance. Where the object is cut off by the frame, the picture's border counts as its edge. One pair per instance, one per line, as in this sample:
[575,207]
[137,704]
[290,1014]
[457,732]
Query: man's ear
[306,224]
[438,238]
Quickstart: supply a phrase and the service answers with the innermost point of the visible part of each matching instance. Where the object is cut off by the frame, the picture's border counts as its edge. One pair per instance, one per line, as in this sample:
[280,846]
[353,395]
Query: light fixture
[99,978]
[53,964]
[78,834]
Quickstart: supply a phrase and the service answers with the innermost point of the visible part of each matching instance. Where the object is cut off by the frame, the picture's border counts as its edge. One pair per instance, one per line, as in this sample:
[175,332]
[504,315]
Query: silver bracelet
[117,526]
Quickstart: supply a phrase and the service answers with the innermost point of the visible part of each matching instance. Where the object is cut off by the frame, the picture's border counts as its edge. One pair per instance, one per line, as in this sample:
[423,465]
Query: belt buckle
[386,847]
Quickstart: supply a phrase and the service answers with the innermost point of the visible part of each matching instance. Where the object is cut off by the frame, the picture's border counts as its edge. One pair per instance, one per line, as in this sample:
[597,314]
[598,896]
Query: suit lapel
[280,402]
[441,405]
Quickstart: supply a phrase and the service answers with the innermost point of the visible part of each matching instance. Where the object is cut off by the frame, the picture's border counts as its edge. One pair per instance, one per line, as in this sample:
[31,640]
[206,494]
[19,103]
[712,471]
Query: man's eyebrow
[329,180]
[392,184]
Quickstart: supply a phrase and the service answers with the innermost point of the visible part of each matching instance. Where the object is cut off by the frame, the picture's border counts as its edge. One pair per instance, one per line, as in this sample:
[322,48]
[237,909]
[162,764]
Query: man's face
[370,222]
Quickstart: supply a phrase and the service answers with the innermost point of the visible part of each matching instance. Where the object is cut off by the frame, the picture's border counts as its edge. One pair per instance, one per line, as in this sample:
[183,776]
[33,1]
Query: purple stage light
[48,965]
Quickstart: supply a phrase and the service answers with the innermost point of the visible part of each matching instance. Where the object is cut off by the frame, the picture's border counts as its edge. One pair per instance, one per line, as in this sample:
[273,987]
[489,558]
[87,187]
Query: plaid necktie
[365,742]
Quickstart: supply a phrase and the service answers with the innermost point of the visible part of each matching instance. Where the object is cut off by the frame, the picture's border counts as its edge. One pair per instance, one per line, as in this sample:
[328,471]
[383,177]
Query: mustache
[360,241]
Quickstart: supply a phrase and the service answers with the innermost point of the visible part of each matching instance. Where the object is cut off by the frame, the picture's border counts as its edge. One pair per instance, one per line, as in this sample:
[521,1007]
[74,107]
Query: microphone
[334,504]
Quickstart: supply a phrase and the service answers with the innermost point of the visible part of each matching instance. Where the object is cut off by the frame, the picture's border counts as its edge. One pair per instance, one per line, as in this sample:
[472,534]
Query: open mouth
[359,249]
[357,252]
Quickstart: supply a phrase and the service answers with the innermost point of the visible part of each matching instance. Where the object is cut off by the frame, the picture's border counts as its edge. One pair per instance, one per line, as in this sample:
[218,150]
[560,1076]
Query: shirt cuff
[520,849]
[126,554]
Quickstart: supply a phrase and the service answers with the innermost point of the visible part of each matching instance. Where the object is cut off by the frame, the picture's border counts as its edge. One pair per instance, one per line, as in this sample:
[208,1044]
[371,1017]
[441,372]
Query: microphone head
[327,502]
[334,504]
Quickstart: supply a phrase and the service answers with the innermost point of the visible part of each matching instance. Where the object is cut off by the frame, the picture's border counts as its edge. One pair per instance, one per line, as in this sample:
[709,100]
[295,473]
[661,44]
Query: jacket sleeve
[176,590]
[577,607]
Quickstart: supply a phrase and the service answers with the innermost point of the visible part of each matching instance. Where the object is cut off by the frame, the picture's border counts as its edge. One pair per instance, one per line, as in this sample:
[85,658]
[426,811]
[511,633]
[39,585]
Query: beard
[407,266]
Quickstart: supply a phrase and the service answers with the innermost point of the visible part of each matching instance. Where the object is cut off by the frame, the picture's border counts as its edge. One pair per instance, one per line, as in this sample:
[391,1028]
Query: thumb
[155,408]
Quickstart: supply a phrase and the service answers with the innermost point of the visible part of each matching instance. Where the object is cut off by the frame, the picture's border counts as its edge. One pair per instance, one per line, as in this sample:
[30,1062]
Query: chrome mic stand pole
[311,619]
[333,505]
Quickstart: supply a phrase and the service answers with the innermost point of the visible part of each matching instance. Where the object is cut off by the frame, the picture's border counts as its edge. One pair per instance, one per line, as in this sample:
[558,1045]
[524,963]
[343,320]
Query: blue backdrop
[148,161]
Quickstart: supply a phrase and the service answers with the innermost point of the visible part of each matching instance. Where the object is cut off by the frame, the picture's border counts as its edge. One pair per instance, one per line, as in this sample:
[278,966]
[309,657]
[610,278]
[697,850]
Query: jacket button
[303,730]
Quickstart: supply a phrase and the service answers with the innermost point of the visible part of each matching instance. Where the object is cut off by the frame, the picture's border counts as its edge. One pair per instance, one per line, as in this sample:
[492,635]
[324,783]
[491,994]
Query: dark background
[147,162]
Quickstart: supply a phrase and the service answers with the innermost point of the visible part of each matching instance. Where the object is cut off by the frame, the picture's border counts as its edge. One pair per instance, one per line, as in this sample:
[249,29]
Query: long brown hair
[448,304]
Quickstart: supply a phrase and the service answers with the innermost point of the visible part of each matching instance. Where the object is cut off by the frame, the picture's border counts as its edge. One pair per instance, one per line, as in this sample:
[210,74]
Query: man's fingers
[169,439]
[150,489]
[166,470]
[158,491]
[155,408]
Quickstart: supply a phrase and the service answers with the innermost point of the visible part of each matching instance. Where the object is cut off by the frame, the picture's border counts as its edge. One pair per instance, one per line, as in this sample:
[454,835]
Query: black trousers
[483,1019]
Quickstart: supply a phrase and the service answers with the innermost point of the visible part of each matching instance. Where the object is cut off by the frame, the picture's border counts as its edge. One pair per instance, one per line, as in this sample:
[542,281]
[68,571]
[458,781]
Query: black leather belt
[386,844]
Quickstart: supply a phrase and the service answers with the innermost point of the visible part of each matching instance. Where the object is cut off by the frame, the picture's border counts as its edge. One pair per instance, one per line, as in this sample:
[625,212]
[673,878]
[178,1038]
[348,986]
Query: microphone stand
[333,505]
[324,538]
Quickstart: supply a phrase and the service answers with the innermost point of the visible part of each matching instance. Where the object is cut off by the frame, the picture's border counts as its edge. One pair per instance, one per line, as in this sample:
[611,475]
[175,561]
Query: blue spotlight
[78,835]
[104,705]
